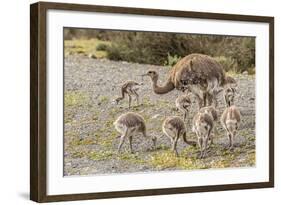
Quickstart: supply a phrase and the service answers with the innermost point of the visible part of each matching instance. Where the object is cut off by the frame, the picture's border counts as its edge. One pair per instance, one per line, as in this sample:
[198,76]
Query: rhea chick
[129,125]
[211,110]
[202,126]
[174,128]
[129,88]
[230,81]
[183,103]
[229,95]
[230,121]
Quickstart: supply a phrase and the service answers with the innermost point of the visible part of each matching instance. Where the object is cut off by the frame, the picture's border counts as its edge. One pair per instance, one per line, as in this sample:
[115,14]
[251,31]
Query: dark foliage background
[236,54]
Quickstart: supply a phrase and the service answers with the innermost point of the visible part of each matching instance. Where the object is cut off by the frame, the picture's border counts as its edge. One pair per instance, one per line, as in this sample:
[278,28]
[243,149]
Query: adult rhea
[195,72]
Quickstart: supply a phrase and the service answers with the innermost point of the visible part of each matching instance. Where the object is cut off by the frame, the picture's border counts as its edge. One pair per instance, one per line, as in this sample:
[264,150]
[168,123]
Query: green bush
[101,47]
[172,60]
[144,47]
[167,48]
[228,63]
[114,53]
[242,50]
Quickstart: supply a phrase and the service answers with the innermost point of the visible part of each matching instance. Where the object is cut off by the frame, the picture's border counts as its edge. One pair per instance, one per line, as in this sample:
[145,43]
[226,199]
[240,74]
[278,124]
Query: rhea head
[152,74]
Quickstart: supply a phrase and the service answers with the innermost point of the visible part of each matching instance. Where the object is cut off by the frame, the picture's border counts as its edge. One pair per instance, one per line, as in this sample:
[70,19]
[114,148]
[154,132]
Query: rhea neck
[154,82]
[161,89]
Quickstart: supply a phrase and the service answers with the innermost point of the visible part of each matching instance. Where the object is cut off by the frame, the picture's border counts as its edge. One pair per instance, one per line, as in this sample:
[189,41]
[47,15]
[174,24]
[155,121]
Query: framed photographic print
[134,102]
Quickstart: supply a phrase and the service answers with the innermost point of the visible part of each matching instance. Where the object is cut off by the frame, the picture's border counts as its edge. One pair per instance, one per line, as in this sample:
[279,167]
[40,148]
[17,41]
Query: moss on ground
[188,158]
[133,158]
[101,155]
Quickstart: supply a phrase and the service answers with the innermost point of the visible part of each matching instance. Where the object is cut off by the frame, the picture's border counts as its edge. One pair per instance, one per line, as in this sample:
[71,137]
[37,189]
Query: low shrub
[171,60]
[228,63]
[101,47]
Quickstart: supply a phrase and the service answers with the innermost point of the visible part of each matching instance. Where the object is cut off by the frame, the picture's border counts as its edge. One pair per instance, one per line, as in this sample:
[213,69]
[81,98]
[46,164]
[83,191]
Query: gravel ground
[91,85]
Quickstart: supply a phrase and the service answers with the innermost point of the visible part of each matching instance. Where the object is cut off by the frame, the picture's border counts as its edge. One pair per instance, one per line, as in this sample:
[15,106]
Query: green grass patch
[105,142]
[104,136]
[251,158]
[147,103]
[78,154]
[113,112]
[85,141]
[133,158]
[188,159]
[163,147]
[163,160]
[101,155]
[90,47]
[76,98]
[103,99]
[101,46]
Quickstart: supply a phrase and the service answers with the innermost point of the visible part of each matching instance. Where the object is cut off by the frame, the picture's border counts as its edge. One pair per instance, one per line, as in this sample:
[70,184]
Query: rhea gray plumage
[202,126]
[230,121]
[174,128]
[129,125]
